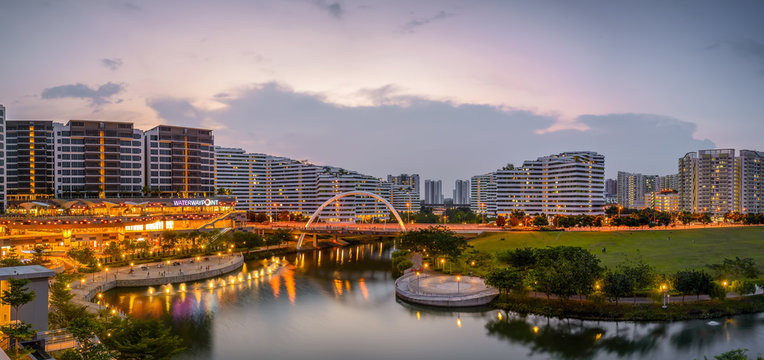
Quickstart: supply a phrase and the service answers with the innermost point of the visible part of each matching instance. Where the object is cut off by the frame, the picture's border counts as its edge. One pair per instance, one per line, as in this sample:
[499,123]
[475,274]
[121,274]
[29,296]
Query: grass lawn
[668,250]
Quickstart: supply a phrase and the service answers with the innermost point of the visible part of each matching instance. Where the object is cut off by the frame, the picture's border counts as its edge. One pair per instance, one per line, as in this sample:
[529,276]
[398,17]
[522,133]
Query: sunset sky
[447,89]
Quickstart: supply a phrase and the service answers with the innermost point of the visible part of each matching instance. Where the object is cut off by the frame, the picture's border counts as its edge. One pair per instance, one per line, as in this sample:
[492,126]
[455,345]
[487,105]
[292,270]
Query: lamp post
[458,282]
[665,295]
[408,212]
[417,282]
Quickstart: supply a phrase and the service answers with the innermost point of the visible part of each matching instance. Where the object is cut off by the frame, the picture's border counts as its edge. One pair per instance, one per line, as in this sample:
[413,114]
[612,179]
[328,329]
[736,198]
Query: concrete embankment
[84,294]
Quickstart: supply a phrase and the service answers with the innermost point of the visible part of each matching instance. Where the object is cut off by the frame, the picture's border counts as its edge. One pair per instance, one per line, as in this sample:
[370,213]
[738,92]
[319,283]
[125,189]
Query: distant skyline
[445,89]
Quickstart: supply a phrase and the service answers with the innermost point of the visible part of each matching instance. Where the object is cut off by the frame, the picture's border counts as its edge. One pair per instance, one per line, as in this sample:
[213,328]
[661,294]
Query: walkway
[152,274]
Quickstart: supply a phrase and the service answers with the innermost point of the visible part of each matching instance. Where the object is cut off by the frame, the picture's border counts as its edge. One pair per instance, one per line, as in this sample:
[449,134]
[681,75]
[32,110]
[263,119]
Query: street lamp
[665,295]
[458,281]
[443,264]
[417,282]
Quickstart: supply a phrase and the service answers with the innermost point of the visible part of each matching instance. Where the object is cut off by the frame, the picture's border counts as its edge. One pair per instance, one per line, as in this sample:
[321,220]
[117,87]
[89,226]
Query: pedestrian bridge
[340,196]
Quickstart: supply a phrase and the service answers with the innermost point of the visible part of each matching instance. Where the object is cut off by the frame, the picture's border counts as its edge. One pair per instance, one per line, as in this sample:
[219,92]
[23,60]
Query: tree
[168,240]
[62,311]
[113,250]
[617,285]
[522,258]
[11,258]
[224,191]
[478,258]
[611,211]
[134,339]
[685,217]
[247,240]
[84,329]
[505,279]
[278,237]
[540,220]
[501,221]
[16,296]
[283,215]
[83,255]
[38,257]
[640,274]
[735,269]
[692,282]
[565,270]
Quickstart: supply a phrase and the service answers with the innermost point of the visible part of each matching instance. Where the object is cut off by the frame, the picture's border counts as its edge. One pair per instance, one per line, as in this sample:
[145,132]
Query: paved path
[161,269]
[157,273]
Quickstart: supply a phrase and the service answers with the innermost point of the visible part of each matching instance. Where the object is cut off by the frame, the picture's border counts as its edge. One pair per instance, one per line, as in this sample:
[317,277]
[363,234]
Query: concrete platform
[435,289]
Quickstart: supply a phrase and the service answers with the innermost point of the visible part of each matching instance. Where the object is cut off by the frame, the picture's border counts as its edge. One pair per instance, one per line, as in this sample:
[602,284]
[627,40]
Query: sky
[446,89]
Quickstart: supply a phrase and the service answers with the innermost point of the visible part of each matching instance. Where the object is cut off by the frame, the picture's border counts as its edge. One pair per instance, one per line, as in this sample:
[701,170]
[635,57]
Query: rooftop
[25,272]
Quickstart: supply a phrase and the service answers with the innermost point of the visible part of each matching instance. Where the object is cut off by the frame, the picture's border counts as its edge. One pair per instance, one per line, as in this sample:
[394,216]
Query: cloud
[436,139]
[179,110]
[746,48]
[412,25]
[333,8]
[112,64]
[102,95]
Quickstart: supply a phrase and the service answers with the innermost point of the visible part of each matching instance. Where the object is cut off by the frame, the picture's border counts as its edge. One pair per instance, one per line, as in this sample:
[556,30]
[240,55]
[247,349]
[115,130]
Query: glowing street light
[458,281]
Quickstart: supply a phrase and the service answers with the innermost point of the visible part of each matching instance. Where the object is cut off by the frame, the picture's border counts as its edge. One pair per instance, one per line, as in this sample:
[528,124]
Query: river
[339,304]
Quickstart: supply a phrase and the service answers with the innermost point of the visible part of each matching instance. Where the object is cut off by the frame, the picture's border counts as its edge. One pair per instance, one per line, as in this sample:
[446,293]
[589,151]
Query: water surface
[339,304]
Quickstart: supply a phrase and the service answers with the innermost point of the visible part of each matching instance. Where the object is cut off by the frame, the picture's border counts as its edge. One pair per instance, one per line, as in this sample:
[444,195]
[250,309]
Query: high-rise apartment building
[29,160]
[2,158]
[665,201]
[411,180]
[462,192]
[717,181]
[687,182]
[272,184]
[668,182]
[405,198]
[433,192]
[633,187]
[483,194]
[751,182]
[180,160]
[570,183]
[98,159]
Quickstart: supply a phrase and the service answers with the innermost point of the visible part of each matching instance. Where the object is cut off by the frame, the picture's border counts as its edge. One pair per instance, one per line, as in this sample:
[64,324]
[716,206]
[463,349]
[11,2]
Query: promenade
[152,274]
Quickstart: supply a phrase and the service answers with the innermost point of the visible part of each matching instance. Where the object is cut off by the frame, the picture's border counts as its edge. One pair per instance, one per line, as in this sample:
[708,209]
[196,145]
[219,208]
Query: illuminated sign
[195,202]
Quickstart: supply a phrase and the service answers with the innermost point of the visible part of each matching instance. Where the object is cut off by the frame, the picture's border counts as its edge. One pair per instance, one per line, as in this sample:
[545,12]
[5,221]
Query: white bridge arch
[340,196]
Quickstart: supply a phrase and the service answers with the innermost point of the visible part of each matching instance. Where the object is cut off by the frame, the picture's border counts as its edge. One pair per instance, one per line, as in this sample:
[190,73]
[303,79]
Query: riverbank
[152,274]
[625,311]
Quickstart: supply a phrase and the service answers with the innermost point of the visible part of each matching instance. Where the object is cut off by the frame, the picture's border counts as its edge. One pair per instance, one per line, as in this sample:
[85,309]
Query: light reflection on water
[339,304]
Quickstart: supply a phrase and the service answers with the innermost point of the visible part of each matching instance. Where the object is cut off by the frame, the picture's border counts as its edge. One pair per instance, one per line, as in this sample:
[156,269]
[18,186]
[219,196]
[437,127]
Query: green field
[668,250]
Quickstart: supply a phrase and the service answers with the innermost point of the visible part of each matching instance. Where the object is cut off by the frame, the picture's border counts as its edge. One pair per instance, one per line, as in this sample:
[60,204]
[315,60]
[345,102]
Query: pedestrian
[148,274]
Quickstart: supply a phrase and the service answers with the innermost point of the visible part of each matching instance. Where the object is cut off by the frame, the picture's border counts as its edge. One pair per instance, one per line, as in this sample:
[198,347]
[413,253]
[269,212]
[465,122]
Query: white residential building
[271,184]
[569,183]
[483,194]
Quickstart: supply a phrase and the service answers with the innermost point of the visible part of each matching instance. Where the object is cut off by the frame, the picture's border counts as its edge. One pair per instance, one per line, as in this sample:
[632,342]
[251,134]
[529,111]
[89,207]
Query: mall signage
[195,202]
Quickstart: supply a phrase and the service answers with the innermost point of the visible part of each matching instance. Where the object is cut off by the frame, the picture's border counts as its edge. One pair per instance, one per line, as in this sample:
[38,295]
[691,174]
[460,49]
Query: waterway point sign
[195,202]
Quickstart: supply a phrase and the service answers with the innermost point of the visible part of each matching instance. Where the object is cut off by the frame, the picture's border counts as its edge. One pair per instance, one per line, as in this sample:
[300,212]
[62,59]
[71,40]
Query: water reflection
[339,303]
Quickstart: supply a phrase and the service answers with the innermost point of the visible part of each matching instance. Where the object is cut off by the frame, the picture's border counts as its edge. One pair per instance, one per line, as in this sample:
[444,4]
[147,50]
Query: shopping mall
[60,223]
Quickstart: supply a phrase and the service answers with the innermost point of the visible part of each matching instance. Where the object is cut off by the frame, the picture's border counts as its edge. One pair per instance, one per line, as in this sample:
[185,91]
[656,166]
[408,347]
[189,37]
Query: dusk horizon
[424,98]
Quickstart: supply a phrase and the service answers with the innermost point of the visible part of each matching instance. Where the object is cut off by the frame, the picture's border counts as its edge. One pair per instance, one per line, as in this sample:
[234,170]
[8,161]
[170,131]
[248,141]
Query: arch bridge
[340,196]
